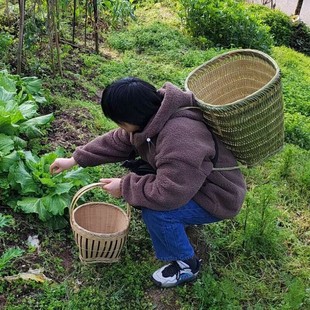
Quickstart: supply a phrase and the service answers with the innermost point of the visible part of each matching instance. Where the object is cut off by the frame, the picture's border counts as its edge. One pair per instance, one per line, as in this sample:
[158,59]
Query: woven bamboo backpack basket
[240,95]
[100,229]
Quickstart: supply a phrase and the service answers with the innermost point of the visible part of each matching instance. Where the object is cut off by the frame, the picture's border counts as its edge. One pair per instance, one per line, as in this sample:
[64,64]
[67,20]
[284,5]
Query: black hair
[130,100]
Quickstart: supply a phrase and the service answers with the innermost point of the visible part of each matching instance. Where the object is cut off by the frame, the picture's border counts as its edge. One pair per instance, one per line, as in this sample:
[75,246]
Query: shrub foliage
[226,24]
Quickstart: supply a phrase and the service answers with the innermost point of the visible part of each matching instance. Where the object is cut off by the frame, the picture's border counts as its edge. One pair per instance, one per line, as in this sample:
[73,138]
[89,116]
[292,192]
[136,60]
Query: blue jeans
[167,229]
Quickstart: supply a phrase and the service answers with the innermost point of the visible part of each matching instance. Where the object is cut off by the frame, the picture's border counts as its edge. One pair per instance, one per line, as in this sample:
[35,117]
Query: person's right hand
[61,164]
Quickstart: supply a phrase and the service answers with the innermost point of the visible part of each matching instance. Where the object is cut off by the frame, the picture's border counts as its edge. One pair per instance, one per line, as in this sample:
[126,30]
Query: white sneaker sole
[180,282]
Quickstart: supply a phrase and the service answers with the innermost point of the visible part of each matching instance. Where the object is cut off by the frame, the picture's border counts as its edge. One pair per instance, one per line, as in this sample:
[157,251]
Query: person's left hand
[112,186]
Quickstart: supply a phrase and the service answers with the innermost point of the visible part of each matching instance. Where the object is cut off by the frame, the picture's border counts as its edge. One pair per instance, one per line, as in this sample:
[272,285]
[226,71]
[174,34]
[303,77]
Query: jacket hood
[174,98]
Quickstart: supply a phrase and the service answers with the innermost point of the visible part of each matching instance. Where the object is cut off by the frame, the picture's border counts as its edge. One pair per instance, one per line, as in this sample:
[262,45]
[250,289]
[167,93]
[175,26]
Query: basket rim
[75,224]
[246,98]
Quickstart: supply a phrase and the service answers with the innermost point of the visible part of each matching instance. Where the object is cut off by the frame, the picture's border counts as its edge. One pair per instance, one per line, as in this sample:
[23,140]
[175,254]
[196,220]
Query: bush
[300,39]
[283,30]
[280,25]
[6,41]
[226,24]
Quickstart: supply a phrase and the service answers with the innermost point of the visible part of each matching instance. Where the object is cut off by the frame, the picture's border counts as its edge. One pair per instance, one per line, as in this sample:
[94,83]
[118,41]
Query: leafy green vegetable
[30,127]
[32,84]
[25,180]
[18,106]
[7,83]
[6,144]
[39,191]
[20,176]
[7,161]
[5,96]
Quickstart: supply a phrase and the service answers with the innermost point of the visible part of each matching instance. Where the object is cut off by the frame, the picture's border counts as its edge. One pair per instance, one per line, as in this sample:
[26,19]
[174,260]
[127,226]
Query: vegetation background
[55,59]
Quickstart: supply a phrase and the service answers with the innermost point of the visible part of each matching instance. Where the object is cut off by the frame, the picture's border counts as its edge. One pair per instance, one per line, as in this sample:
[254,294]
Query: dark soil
[69,129]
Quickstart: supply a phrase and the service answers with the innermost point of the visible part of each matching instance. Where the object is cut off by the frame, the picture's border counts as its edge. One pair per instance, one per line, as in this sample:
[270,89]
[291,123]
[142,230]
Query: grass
[258,260]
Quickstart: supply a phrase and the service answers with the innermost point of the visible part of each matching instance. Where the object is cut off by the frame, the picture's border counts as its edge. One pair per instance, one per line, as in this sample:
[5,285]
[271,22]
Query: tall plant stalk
[21,35]
[86,19]
[56,25]
[50,33]
[95,5]
[7,11]
[53,30]
[74,21]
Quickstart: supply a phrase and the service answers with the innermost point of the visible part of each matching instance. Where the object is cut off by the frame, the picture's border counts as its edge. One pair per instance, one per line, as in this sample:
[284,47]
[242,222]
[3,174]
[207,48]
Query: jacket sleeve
[113,146]
[183,154]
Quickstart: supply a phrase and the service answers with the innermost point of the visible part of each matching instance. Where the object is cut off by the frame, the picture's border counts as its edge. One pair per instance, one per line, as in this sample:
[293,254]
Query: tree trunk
[96,26]
[298,7]
[21,35]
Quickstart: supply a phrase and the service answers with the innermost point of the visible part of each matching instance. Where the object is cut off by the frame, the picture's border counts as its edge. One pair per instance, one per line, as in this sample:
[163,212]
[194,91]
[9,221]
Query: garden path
[289,6]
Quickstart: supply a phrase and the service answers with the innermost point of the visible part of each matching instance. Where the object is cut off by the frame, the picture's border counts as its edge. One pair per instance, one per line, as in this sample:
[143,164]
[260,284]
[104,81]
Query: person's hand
[112,186]
[61,164]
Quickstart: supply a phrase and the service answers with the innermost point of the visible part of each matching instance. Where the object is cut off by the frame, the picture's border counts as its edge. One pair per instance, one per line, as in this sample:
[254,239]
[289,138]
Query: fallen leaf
[32,274]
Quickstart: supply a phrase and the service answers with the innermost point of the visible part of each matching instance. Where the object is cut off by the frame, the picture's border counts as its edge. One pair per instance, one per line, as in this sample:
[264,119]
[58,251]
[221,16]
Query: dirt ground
[68,130]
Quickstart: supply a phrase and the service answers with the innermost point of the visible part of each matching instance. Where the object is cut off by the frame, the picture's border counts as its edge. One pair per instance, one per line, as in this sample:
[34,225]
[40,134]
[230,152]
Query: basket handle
[84,190]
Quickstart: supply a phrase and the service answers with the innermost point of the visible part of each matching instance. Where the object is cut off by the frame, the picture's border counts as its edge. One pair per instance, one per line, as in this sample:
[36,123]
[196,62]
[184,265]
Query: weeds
[12,253]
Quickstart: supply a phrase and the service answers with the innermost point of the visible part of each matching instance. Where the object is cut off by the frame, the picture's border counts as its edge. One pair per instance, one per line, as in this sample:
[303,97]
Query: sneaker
[175,273]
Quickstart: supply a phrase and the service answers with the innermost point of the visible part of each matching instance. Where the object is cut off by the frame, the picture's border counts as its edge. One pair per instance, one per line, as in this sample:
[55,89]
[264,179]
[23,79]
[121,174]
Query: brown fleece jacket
[180,147]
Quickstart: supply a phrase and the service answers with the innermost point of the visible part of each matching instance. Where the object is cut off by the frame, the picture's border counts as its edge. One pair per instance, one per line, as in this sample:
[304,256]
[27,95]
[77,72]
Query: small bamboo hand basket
[100,229]
[240,94]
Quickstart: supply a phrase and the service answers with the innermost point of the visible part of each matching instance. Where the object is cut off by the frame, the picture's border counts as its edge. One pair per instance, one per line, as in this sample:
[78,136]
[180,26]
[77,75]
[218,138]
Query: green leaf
[79,176]
[9,116]
[6,144]
[48,182]
[74,173]
[46,160]
[29,204]
[6,220]
[63,188]
[19,143]
[31,160]
[7,83]
[55,204]
[12,109]
[9,255]
[34,205]
[8,161]
[30,127]
[46,207]
[5,96]
[4,184]
[39,99]
[32,84]
[20,175]
[28,109]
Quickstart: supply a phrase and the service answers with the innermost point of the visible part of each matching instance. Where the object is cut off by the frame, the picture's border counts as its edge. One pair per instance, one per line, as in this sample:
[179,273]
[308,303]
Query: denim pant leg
[167,229]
